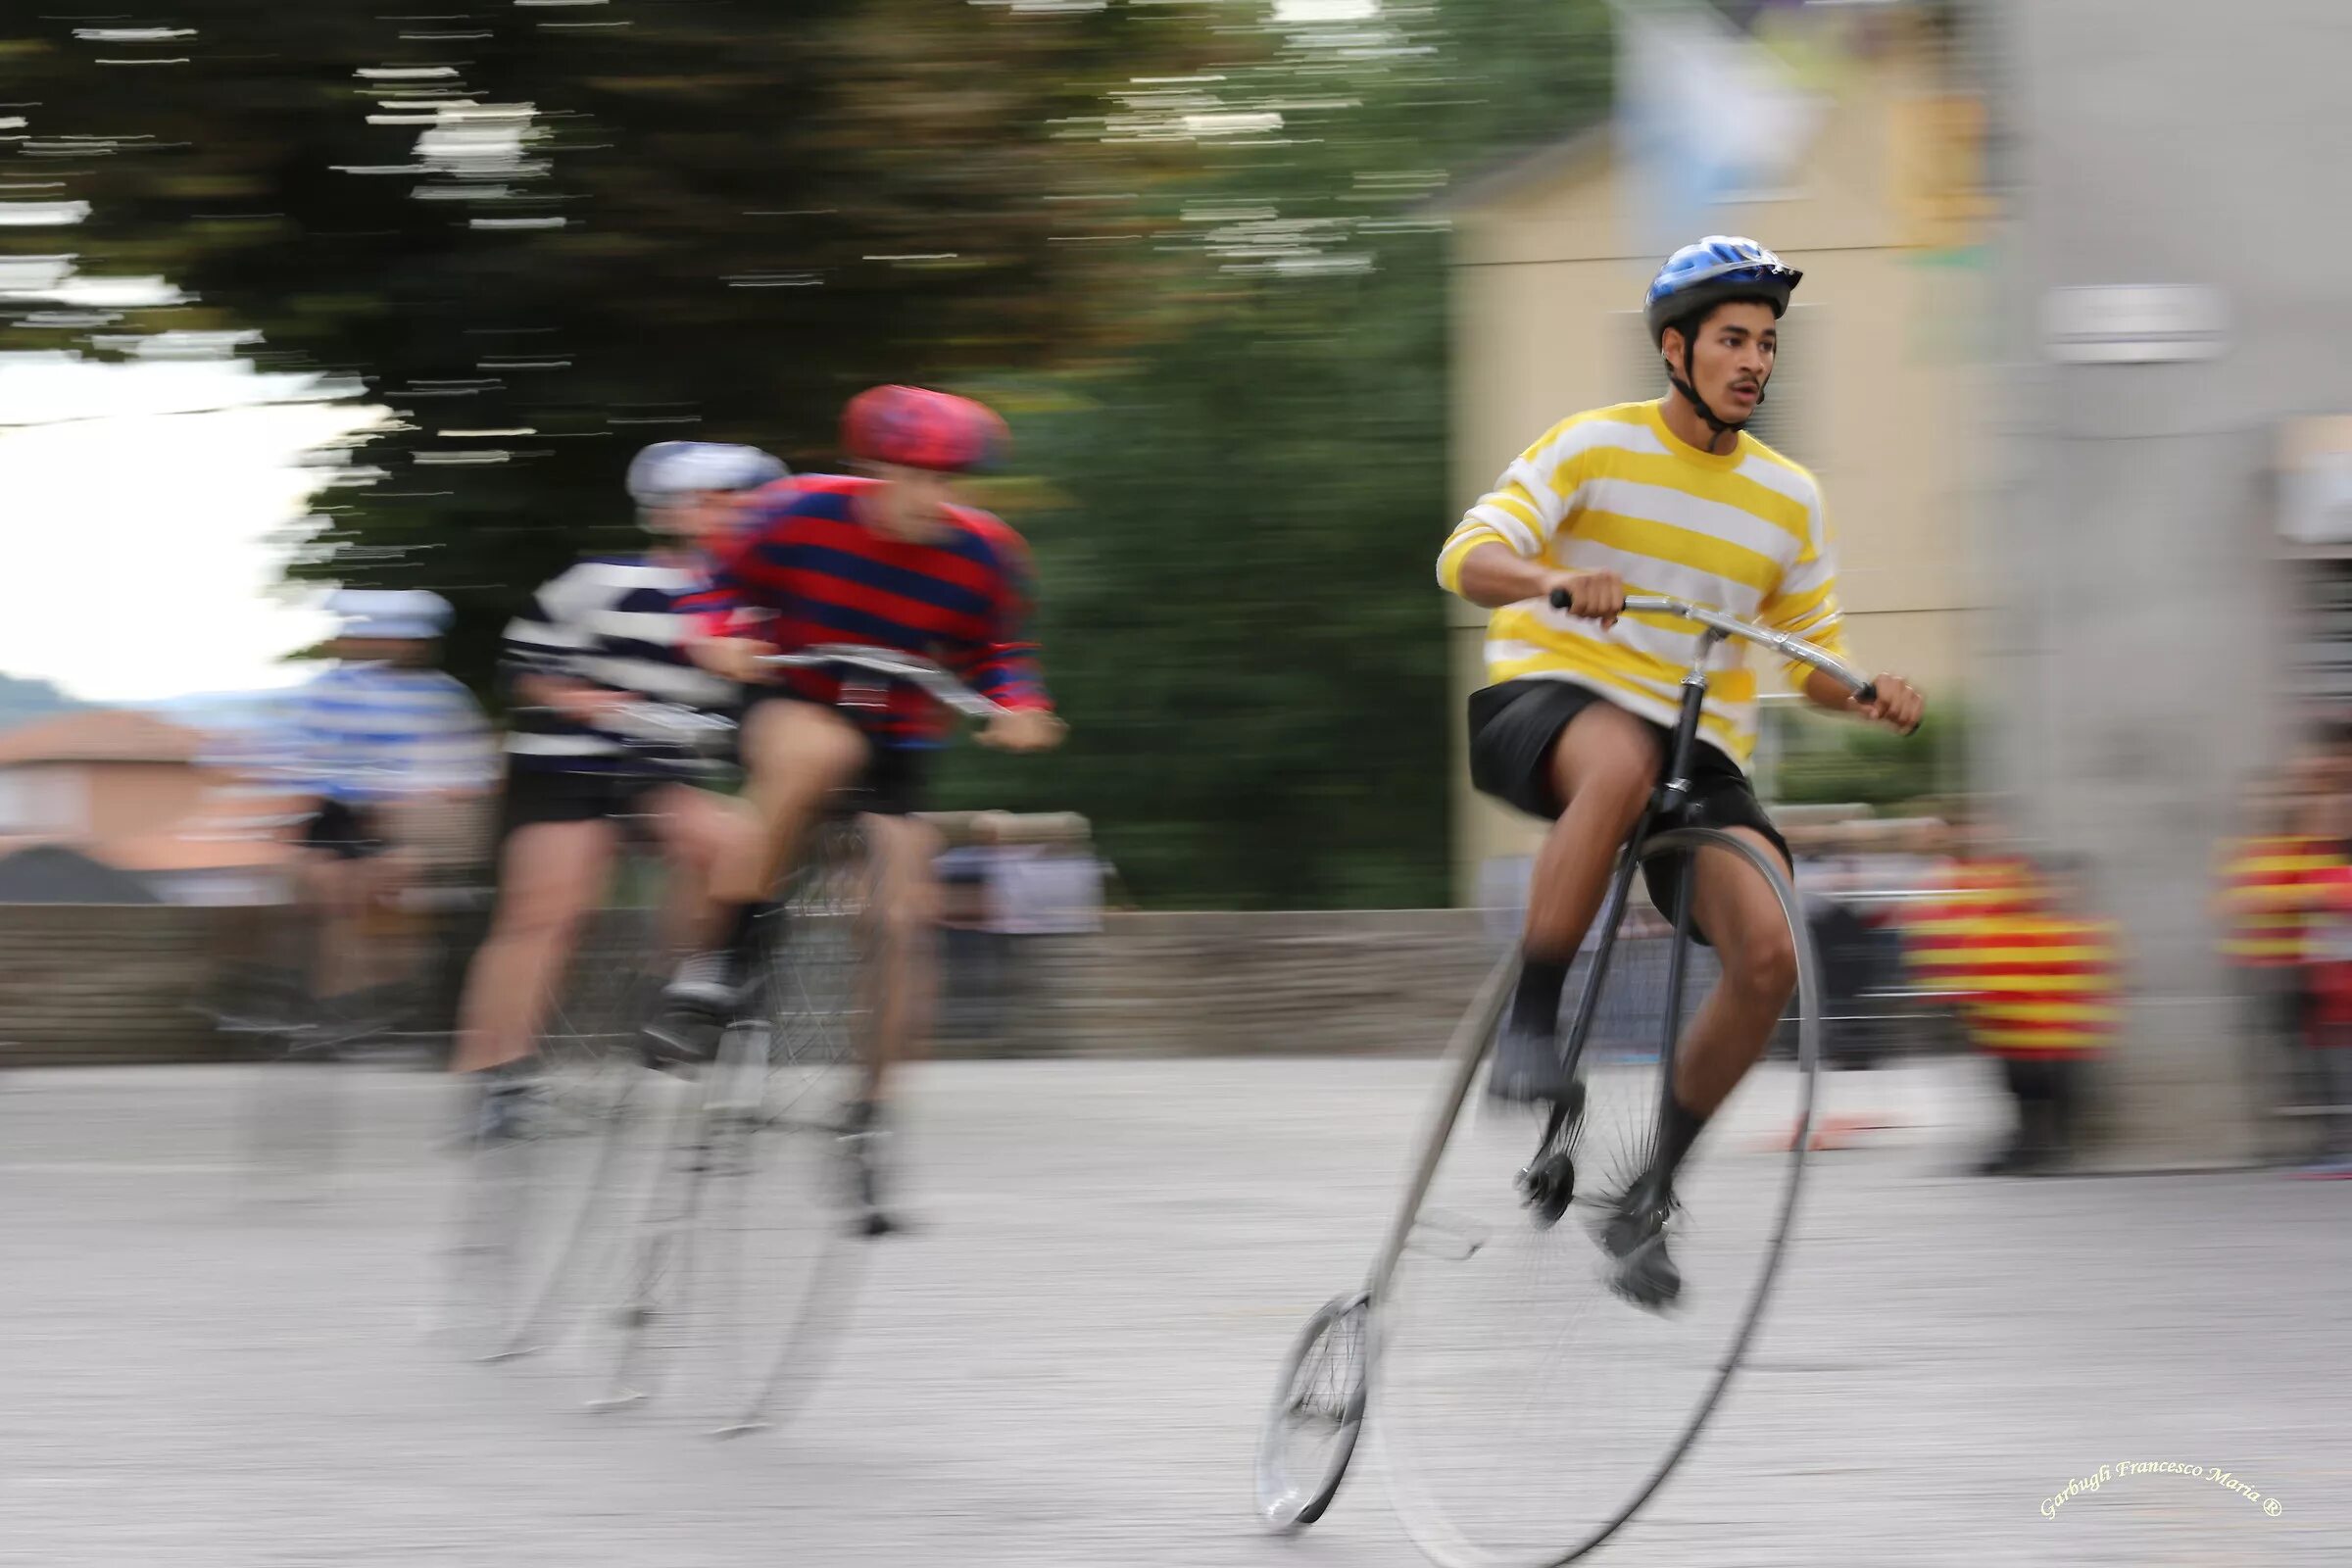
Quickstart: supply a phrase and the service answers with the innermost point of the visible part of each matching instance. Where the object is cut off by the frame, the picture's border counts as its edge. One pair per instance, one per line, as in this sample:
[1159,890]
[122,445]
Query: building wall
[131,799]
[95,802]
[1878,374]
[40,801]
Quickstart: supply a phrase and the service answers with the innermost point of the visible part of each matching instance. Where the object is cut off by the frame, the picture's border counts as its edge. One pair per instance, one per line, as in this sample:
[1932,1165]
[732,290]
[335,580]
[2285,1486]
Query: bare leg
[333,891]
[1604,766]
[549,876]
[700,834]
[797,754]
[1736,910]
[904,917]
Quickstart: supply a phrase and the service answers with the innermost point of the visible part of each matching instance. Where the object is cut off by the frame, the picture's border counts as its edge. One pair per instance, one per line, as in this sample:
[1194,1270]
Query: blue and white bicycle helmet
[1700,277]
[1719,267]
[667,469]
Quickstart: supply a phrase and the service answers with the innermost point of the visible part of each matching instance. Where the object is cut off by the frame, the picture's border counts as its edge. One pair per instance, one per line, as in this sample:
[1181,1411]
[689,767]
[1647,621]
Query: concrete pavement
[1067,1365]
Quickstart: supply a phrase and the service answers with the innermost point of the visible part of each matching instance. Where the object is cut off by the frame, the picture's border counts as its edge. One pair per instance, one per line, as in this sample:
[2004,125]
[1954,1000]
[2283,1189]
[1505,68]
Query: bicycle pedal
[1454,1237]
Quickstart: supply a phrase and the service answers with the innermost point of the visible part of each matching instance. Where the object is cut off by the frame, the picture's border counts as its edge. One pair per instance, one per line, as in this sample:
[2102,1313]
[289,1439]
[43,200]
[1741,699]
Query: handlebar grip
[1560,599]
[1869,692]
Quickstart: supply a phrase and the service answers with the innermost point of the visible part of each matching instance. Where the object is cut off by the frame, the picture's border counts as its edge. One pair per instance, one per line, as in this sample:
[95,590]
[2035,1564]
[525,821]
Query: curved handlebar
[649,722]
[1780,642]
[655,722]
[891,665]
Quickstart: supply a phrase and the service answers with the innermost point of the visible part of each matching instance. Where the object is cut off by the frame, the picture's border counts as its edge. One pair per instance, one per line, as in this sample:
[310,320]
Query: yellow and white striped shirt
[1616,490]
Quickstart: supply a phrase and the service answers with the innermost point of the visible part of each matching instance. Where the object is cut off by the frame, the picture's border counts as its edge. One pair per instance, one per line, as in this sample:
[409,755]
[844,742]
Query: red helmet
[916,429]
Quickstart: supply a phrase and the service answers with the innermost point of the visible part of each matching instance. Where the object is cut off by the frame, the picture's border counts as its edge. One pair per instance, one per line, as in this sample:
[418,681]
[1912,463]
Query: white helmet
[668,470]
[404,614]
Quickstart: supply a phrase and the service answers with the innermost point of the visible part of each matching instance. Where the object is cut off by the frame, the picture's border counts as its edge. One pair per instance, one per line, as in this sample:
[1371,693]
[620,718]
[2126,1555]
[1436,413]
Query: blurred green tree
[1185,246]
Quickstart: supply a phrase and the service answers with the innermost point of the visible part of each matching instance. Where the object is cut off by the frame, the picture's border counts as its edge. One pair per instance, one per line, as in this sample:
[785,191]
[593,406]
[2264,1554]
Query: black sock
[1678,1129]
[1536,1005]
[742,931]
[506,1076]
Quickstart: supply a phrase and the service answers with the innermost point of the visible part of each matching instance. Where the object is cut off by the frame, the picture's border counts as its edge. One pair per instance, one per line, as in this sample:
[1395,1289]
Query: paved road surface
[1067,1365]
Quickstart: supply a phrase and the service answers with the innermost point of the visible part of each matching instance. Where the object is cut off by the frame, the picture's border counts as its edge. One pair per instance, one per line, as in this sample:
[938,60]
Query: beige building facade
[1876,390]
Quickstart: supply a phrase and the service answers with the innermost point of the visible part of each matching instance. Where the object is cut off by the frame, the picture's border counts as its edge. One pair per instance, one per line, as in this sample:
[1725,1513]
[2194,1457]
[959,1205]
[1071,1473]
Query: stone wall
[1157,984]
[103,983]
[130,983]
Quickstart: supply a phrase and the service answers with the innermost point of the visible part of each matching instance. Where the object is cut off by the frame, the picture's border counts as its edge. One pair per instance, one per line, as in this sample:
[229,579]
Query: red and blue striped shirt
[822,574]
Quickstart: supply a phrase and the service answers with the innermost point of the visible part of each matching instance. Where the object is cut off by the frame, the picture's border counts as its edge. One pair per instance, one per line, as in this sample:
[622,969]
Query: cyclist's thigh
[1740,915]
[552,873]
[788,742]
[695,826]
[1609,753]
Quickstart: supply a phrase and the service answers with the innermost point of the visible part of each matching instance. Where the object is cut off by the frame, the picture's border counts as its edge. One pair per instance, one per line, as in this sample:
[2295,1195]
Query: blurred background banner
[1706,116]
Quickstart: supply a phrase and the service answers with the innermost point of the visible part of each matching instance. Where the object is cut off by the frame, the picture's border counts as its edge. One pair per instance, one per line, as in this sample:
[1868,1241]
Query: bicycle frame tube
[1463,1052]
[1670,1032]
[1674,786]
[1611,917]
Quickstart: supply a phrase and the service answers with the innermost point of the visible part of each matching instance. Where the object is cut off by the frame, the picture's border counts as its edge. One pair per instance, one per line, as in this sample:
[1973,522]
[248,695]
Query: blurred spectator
[396,757]
[1018,883]
[1856,880]
[2273,882]
[2038,980]
[973,958]
[1042,883]
[2327,956]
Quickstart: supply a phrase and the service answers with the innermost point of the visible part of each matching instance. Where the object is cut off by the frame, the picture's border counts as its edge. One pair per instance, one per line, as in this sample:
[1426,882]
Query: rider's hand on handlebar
[1594,595]
[1896,703]
[591,705]
[735,658]
[1024,729]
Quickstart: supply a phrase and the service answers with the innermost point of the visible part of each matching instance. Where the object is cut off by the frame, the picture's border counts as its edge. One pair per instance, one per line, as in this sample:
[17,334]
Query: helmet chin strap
[1683,384]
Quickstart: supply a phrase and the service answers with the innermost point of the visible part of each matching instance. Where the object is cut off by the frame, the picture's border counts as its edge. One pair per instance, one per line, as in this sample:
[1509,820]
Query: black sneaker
[1528,1066]
[696,1007]
[1634,1234]
[505,1111]
[708,981]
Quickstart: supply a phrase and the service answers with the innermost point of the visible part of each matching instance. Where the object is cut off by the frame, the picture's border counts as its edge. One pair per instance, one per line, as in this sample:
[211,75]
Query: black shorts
[1513,727]
[345,831]
[896,779]
[533,796]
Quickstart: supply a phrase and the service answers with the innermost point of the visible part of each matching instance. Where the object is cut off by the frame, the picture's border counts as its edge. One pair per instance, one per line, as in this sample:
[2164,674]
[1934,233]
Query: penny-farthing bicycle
[1526,1410]
[751,1236]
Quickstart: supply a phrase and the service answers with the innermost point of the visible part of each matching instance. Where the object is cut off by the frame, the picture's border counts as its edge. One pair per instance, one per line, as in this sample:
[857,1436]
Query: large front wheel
[1529,1409]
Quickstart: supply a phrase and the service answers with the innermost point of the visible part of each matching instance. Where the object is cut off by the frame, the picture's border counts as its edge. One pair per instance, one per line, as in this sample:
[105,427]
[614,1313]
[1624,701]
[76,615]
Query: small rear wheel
[1318,1410]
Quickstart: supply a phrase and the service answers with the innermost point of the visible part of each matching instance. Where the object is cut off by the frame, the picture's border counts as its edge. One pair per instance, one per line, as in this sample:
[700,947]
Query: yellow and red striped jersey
[2271,888]
[2031,982]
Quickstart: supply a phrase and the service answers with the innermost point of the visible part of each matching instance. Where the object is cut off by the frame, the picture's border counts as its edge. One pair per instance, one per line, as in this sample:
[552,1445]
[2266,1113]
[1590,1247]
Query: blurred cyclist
[390,748]
[602,640]
[1669,496]
[884,556]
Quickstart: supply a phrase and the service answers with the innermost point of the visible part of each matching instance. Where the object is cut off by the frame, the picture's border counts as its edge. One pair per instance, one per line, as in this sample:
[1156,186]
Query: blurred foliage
[1826,762]
[1186,245]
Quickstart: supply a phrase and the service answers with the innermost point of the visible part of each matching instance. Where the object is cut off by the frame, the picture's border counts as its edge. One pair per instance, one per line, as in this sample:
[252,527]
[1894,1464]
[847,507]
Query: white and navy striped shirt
[369,732]
[612,623]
